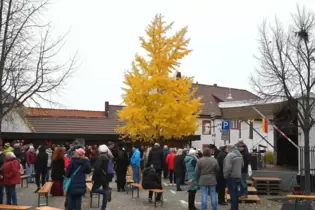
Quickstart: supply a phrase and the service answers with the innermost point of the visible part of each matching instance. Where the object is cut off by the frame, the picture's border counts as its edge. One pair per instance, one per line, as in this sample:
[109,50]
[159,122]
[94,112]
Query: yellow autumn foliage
[159,106]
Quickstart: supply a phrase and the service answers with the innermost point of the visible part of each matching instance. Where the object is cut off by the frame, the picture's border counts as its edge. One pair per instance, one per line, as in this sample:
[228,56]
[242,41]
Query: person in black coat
[179,168]
[103,174]
[78,167]
[57,172]
[122,162]
[151,180]
[157,159]
[41,167]
[221,182]
[246,158]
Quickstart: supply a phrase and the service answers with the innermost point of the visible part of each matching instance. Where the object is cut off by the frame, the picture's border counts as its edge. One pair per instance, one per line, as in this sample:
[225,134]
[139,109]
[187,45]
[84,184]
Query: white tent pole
[275,127]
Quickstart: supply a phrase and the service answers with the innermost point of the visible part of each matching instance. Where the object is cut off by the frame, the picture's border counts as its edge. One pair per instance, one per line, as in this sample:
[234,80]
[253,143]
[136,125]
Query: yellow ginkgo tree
[158,105]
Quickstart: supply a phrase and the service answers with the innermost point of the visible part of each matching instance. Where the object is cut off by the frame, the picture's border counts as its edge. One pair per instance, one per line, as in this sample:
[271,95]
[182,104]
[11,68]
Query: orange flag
[264,126]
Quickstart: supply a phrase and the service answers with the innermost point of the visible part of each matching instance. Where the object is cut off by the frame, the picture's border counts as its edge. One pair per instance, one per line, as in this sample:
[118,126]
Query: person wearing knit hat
[78,168]
[190,163]
[103,174]
[80,152]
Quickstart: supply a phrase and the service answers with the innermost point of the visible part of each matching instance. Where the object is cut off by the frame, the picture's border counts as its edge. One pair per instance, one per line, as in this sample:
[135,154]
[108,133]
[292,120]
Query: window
[234,124]
[206,127]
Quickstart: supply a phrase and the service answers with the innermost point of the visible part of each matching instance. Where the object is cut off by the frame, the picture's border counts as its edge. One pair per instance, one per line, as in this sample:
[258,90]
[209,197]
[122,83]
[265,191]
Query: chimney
[178,75]
[106,108]
[229,97]
[215,85]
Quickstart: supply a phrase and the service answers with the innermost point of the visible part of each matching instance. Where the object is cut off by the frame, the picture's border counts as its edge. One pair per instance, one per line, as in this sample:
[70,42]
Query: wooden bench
[89,185]
[14,207]
[155,191]
[24,177]
[44,191]
[47,208]
[298,199]
[129,181]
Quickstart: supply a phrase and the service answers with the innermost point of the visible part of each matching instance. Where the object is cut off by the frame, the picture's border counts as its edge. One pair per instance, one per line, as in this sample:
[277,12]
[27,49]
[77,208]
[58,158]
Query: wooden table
[298,199]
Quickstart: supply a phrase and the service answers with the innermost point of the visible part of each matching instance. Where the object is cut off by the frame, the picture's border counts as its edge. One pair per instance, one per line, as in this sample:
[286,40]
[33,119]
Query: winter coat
[170,160]
[206,170]
[220,159]
[30,158]
[78,184]
[41,163]
[122,160]
[19,154]
[8,149]
[179,165]
[246,158]
[156,158]
[101,174]
[57,169]
[67,161]
[49,153]
[190,163]
[233,163]
[150,179]
[135,158]
[11,172]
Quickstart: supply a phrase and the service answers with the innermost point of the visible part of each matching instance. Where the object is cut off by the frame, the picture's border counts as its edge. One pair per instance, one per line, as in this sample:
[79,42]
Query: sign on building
[225,130]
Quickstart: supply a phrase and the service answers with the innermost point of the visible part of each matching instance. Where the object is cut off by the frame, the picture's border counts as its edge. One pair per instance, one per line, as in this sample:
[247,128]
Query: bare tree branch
[28,68]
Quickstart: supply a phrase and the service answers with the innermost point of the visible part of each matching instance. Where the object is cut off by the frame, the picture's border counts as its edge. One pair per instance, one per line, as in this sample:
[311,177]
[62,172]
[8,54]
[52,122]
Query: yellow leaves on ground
[157,104]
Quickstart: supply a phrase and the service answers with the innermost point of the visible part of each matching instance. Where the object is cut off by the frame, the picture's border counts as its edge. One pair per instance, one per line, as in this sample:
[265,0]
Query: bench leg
[138,192]
[46,195]
[91,199]
[38,199]
[22,183]
[297,204]
[155,199]
[98,202]
[162,200]
[131,193]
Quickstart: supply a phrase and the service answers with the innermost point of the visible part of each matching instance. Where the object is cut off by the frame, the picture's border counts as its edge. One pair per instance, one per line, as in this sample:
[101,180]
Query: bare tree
[28,69]
[286,70]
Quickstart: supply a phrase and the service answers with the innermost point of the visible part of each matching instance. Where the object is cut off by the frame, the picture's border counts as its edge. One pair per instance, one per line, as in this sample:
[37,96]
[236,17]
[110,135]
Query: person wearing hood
[41,167]
[11,177]
[78,167]
[135,164]
[150,180]
[103,174]
[190,163]
[30,163]
[7,148]
[220,179]
[122,162]
[232,171]
[49,153]
[157,159]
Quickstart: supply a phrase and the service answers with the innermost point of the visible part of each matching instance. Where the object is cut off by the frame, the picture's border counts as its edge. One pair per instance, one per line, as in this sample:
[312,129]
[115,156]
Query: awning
[243,110]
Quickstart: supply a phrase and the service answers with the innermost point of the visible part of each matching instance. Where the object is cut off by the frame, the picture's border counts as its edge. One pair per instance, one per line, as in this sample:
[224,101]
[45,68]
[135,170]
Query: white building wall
[13,122]
[234,135]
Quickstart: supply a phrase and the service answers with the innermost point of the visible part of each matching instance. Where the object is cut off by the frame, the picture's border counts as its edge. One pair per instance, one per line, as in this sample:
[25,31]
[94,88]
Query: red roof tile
[95,122]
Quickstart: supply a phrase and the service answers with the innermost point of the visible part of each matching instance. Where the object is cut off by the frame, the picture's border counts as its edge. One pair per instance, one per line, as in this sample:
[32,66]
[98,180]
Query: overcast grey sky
[106,34]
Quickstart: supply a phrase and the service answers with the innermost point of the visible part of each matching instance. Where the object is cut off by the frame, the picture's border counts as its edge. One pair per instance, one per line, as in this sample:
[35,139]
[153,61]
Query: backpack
[110,170]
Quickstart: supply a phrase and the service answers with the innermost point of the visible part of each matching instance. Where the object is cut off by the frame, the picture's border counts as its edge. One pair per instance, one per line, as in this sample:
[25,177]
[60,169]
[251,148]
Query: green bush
[269,157]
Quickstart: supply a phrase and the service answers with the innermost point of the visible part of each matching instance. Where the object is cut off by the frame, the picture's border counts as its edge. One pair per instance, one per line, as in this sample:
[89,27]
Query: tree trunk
[307,160]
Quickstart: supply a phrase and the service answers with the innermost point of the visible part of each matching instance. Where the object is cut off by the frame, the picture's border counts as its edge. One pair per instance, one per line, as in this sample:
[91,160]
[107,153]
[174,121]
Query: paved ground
[172,200]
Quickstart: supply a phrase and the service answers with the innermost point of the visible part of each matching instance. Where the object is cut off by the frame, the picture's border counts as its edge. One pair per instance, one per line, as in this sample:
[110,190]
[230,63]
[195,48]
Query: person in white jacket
[49,152]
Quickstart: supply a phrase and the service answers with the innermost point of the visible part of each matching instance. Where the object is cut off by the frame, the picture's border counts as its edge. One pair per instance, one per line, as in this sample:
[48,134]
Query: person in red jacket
[11,177]
[30,161]
[170,163]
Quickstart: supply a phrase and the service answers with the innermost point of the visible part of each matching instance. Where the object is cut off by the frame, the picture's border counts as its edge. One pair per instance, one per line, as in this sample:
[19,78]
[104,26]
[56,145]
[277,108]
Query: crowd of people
[209,171]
